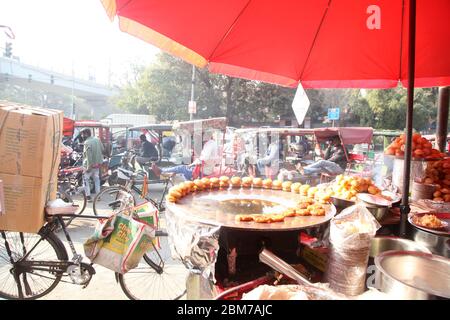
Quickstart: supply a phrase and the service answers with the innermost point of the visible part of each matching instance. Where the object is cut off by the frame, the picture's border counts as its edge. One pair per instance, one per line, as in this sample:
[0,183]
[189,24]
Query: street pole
[191,115]
[404,207]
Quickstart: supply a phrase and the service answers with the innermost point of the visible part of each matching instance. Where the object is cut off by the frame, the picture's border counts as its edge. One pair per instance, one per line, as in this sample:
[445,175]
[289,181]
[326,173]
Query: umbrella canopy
[320,43]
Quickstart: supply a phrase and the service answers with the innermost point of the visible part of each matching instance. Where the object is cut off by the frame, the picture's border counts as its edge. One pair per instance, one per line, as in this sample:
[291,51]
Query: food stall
[247,50]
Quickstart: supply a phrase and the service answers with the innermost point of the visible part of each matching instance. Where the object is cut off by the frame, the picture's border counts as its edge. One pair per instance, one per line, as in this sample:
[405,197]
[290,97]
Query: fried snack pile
[422,148]
[305,207]
[346,187]
[438,173]
[428,221]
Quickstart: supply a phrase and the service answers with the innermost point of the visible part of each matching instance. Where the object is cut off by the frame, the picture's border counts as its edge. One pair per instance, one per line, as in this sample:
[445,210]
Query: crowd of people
[270,164]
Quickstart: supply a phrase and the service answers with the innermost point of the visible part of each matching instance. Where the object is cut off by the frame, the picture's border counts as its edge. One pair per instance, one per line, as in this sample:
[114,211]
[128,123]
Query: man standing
[209,157]
[148,151]
[92,160]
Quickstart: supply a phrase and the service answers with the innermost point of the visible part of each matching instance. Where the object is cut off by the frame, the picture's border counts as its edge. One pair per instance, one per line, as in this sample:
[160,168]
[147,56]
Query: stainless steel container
[437,244]
[342,203]
[377,211]
[379,245]
[413,275]
[382,244]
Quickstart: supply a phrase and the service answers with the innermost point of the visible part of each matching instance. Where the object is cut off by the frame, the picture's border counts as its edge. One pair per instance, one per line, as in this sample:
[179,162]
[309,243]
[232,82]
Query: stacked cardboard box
[30,140]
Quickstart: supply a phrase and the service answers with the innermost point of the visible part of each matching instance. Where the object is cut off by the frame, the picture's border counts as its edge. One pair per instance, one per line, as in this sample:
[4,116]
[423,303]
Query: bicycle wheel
[110,199]
[157,277]
[75,197]
[33,283]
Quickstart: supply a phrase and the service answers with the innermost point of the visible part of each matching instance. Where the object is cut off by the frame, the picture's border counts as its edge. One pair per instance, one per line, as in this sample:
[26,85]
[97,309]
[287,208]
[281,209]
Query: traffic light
[8,50]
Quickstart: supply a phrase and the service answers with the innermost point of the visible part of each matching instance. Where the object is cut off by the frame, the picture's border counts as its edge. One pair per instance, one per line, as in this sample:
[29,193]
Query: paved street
[103,284]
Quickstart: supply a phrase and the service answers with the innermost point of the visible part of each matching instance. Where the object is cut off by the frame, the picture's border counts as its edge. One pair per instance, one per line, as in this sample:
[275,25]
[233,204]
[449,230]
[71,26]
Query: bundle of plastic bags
[351,233]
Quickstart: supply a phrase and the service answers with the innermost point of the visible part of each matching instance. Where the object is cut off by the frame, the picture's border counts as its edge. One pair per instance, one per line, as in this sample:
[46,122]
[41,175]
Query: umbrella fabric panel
[432,65]
[321,43]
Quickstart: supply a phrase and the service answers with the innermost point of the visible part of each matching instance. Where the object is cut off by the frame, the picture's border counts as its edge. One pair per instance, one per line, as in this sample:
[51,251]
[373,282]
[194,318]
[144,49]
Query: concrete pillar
[442,118]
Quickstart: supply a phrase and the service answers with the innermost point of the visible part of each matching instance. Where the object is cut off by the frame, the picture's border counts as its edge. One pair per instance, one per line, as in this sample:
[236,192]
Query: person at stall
[148,151]
[168,145]
[92,161]
[271,157]
[334,161]
[208,160]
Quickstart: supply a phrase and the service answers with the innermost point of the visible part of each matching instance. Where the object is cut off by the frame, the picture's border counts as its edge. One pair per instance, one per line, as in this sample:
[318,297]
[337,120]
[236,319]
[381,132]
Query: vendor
[334,162]
[271,158]
[209,157]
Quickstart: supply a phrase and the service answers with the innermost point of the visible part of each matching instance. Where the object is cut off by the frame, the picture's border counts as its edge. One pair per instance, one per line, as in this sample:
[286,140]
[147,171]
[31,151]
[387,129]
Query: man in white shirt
[209,157]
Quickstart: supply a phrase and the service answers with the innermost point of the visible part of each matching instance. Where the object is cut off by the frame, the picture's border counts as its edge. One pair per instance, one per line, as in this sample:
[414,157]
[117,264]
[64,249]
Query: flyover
[35,78]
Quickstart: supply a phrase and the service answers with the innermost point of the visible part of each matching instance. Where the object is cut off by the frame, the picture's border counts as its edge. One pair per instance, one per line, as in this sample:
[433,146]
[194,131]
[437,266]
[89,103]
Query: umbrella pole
[404,208]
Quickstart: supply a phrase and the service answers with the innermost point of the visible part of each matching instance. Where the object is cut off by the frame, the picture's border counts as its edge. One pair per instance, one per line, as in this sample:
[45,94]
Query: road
[103,285]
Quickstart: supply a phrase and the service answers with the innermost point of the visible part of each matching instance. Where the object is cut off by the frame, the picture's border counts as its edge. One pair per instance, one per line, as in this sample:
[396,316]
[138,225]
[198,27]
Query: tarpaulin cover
[321,43]
[348,135]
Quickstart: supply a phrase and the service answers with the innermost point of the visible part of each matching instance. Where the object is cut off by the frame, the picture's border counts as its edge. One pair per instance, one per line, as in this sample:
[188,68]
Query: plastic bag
[351,233]
[119,242]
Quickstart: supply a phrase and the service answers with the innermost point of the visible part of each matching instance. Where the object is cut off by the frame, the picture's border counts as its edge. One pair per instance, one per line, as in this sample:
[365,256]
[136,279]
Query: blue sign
[333,113]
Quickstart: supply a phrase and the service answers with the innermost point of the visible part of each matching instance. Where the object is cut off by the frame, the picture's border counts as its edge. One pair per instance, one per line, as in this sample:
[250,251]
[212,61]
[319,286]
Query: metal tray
[445,217]
[204,207]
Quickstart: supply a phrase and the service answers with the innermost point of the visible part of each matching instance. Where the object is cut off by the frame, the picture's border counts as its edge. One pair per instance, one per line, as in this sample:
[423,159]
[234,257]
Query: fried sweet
[276,218]
[244,218]
[207,183]
[235,182]
[302,212]
[198,185]
[172,199]
[289,212]
[276,185]
[428,221]
[247,182]
[286,186]
[215,182]
[267,183]
[175,192]
[224,182]
[262,218]
[295,187]
[257,183]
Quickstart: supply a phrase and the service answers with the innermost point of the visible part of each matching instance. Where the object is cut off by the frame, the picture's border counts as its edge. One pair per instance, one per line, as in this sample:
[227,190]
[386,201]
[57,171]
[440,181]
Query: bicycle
[108,197]
[32,265]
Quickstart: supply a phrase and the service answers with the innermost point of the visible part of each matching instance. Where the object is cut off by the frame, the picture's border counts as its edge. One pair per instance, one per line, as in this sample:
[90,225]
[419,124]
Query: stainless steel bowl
[437,244]
[381,244]
[341,203]
[413,275]
[377,211]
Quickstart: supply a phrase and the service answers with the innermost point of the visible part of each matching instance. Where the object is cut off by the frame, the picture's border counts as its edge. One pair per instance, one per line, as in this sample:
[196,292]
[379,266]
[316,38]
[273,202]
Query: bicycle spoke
[16,279]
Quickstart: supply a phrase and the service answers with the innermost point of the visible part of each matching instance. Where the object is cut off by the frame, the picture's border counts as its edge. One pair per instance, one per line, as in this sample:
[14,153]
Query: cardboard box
[2,199]
[24,202]
[30,140]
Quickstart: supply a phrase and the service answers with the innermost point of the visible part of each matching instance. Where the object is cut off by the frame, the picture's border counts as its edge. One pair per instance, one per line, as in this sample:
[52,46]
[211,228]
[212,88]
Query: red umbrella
[322,43]
[318,43]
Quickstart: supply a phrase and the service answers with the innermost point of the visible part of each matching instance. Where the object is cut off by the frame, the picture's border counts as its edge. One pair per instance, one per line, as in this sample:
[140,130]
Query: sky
[56,34]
